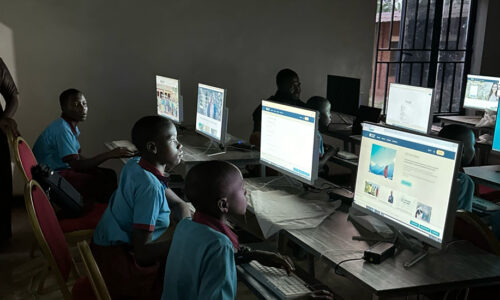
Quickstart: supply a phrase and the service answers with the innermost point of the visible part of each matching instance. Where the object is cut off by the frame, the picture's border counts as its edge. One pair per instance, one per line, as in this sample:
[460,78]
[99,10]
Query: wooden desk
[342,132]
[463,120]
[487,175]
[461,265]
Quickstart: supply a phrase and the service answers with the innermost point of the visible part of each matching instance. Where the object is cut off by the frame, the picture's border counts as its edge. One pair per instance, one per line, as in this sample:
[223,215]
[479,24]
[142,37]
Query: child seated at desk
[128,245]
[59,148]
[204,251]
[323,106]
[465,135]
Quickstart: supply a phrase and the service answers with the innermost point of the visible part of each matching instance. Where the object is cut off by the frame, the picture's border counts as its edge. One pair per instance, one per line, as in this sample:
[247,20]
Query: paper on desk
[276,210]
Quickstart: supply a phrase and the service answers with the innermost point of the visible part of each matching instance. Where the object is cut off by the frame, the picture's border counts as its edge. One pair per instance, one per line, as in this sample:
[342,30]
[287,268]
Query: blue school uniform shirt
[138,202]
[466,192]
[58,140]
[321,146]
[200,264]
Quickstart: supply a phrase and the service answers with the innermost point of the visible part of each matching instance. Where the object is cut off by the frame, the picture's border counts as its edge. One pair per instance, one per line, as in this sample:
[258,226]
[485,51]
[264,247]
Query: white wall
[111,50]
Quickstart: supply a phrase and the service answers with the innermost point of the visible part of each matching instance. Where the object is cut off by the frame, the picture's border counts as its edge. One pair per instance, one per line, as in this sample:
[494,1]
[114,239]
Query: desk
[195,149]
[487,175]
[470,121]
[461,265]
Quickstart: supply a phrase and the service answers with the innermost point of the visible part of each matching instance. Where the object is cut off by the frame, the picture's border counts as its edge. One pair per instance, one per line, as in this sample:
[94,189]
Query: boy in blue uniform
[465,135]
[323,106]
[59,148]
[126,242]
[204,252]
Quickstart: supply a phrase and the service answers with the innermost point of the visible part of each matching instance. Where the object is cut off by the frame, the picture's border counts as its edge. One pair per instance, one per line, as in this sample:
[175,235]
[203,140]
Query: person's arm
[146,250]
[329,153]
[10,94]
[80,163]
[271,259]
[179,208]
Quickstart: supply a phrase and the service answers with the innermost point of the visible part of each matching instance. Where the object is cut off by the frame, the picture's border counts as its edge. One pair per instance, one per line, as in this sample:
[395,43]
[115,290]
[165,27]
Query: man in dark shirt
[288,93]
[8,126]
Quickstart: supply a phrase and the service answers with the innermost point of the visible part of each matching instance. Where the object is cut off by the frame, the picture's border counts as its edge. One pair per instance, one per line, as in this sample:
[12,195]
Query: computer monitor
[168,98]
[211,115]
[409,107]
[289,142]
[343,94]
[365,114]
[409,181]
[482,92]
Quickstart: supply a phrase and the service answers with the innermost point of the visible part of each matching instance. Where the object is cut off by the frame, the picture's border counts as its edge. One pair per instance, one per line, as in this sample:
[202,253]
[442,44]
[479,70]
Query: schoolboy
[465,135]
[323,106]
[204,251]
[126,242]
[59,148]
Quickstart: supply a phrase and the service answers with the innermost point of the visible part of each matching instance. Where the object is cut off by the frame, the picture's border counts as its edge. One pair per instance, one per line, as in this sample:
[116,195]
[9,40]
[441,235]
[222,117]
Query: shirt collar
[150,168]
[70,123]
[217,225]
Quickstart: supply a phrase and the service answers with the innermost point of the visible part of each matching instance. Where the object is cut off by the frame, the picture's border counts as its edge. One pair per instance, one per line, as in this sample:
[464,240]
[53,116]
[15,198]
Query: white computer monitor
[168,98]
[409,181]
[482,92]
[211,115]
[289,142]
[409,107]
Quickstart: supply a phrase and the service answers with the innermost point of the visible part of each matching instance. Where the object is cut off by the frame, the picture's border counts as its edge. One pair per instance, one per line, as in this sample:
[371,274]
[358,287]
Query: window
[423,43]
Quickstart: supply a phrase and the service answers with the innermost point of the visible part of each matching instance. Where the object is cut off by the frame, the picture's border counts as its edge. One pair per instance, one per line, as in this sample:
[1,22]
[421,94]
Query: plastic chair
[51,240]
[93,273]
[469,226]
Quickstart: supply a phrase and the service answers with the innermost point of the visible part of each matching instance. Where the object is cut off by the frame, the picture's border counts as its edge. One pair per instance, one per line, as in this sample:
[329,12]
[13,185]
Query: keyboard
[277,280]
[436,128]
[484,205]
[125,144]
[347,155]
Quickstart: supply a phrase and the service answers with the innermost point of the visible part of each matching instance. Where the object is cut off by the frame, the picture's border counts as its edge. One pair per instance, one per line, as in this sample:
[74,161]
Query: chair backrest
[93,273]
[49,234]
[24,157]
[469,226]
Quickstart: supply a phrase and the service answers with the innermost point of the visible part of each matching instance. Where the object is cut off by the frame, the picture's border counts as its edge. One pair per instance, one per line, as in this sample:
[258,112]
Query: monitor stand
[214,149]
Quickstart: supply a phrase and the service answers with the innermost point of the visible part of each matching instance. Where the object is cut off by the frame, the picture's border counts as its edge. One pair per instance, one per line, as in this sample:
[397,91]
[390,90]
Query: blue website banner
[411,145]
[288,114]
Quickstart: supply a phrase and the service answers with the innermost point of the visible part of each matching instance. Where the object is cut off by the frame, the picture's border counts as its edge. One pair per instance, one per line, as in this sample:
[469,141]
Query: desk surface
[465,120]
[487,175]
[460,265]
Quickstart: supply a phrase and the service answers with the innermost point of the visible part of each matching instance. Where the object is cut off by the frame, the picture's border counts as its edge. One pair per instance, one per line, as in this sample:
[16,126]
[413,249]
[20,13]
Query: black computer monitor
[365,114]
[343,94]
[408,180]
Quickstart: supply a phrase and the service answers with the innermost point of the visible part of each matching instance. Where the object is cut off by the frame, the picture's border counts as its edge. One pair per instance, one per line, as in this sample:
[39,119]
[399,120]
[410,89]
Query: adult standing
[7,125]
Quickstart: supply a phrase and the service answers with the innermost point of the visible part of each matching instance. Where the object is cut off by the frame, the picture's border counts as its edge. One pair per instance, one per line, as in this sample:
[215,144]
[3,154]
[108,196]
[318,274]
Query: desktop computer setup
[343,94]
[408,180]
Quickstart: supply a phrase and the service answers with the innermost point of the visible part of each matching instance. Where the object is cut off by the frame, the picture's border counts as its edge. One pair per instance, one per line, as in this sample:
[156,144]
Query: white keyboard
[277,280]
[484,205]
[347,155]
[125,144]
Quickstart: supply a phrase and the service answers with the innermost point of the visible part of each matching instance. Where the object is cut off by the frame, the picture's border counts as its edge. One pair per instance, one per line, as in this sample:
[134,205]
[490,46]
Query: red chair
[53,243]
[469,226]
[75,229]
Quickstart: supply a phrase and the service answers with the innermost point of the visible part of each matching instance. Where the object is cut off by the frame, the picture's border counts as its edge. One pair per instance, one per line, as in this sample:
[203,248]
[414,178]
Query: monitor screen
[289,140]
[407,180]
[343,93]
[168,98]
[482,92]
[409,107]
[210,112]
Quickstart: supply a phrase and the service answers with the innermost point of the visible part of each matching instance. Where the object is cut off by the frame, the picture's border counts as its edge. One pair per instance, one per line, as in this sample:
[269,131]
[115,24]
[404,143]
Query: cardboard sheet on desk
[276,210]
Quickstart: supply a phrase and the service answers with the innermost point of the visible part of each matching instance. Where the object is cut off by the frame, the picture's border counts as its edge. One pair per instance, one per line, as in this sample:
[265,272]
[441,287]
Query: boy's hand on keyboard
[322,294]
[120,152]
[272,259]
